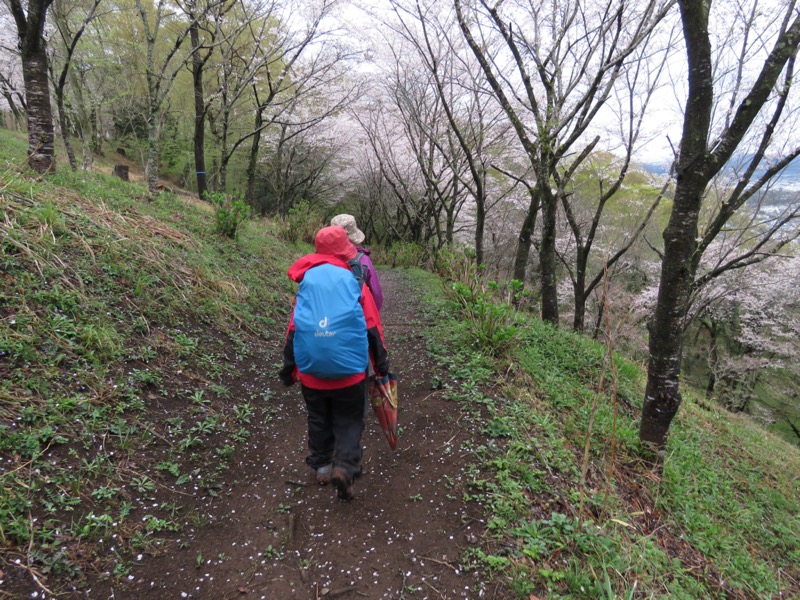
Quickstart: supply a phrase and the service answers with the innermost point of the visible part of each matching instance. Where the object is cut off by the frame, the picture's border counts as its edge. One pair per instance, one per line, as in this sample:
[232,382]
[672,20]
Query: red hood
[303,264]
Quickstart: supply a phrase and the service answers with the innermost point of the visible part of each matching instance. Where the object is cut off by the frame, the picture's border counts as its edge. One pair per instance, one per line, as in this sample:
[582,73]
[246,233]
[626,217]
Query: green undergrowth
[125,321]
[567,520]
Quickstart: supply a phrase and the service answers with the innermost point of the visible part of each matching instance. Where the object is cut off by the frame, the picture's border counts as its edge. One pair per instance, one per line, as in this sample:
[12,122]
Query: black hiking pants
[335,425]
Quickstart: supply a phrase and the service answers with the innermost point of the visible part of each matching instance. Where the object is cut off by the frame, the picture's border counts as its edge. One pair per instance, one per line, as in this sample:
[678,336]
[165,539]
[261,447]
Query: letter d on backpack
[324,323]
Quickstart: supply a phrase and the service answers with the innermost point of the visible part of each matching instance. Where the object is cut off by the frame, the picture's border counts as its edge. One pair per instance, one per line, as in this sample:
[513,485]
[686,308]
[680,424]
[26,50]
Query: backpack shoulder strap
[357,268]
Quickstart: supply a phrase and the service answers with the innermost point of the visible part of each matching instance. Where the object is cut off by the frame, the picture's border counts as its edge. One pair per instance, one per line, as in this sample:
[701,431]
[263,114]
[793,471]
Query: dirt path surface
[272,532]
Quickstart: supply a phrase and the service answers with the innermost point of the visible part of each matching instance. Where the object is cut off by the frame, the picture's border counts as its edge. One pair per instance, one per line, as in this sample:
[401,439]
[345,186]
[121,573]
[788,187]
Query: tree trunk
[713,358]
[86,145]
[547,257]
[30,32]
[252,162]
[598,322]
[662,396]
[96,134]
[41,134]
[84,126]
[224,156]
[579,319]
[15,112]
[480,226]
[450,211]
[62,122]
[525,239]
[199,112]
[153,152]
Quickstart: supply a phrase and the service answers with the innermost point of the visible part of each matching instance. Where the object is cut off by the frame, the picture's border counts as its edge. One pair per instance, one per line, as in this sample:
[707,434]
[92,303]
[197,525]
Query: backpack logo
[324,325]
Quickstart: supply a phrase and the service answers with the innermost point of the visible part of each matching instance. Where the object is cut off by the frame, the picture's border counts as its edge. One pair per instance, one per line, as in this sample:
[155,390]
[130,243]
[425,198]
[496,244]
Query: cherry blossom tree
[552,68]
[11,83]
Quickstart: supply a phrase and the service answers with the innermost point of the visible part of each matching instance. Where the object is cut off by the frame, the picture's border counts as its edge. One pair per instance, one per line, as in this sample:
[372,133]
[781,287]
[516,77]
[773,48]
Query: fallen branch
[300,483]
[440,562]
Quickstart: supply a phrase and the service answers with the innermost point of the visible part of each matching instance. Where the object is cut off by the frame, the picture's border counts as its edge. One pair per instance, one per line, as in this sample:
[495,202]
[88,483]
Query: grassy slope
[124,324]
[567,519]
[111,304]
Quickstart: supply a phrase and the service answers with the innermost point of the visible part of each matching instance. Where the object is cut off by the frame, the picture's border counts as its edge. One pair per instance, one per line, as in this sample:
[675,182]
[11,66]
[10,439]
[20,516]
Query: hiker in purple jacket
[356,236]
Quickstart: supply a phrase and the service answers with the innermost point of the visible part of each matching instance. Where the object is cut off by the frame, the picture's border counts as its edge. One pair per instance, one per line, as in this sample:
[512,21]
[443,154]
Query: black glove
[286,375]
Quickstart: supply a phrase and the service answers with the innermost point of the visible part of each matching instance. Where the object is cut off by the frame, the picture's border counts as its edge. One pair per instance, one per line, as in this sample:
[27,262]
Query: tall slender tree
[198,63]
[162,68]
[70,40]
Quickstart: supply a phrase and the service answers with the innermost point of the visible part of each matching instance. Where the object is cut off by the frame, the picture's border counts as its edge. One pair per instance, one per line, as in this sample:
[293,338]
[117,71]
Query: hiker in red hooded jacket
[336,405]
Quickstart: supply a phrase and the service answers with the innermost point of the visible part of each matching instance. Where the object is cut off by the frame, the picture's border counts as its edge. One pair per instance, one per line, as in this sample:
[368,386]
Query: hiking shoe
[324,474]
[343,483]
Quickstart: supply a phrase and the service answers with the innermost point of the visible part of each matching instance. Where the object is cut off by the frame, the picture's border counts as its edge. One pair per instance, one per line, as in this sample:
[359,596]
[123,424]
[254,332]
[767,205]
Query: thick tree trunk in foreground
[41,135]
[697,165]
[30,31]
[663,397]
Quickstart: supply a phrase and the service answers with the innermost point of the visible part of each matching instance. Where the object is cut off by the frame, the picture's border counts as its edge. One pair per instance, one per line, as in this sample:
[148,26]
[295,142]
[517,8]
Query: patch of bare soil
[271,532]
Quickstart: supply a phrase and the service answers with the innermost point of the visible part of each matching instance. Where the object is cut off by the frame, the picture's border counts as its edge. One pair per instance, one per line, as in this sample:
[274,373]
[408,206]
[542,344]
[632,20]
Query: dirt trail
[274,533]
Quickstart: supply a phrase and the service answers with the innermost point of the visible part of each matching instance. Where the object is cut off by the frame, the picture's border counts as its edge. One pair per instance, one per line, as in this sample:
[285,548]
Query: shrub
[457,264]
[492,326]
[490,308]
[229,214]
[302,223]
[405,254]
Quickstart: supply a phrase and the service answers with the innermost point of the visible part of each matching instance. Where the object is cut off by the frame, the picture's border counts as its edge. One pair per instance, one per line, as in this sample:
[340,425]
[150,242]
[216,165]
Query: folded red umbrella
[384,404]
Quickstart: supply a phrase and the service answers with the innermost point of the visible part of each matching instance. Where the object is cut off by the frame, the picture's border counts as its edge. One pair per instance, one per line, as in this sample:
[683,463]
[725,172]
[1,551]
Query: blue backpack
[330,339]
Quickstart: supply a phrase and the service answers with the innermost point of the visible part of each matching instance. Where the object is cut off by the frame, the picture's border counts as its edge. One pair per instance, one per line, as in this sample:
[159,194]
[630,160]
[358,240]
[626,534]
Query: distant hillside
[788,181]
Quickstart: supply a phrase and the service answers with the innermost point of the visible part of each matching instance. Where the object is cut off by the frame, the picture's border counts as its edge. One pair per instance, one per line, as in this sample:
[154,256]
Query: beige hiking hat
[349,223]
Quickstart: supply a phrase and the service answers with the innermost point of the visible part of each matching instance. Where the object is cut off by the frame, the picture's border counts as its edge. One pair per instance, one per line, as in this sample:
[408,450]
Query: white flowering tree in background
[746,335]
[11,85]
[553,68]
